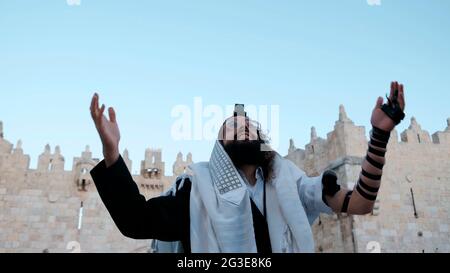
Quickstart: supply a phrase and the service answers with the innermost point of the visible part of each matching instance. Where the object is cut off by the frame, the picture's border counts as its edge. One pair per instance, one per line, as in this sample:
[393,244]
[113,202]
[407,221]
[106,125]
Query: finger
[96,101]
[91,109]
[93,102]
[112,114]
[394,87]
[401,97]
[101,111]
[95,109]
[379,103]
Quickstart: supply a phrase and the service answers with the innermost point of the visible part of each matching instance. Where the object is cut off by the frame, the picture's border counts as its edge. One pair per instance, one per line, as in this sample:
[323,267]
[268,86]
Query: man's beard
[246,152]
[249,152]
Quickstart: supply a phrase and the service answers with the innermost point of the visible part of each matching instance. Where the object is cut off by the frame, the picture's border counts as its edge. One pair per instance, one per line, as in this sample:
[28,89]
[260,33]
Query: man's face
[241,141]
[238,129]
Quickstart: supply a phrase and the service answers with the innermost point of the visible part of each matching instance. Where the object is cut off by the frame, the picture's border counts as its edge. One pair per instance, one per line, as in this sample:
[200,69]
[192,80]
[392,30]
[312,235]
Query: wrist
[111,156]
[380,135]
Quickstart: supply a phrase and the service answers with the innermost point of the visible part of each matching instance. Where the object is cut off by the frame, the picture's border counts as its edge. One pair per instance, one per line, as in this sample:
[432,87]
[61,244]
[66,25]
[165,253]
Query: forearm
[362,198]
[111,154]
[119,194]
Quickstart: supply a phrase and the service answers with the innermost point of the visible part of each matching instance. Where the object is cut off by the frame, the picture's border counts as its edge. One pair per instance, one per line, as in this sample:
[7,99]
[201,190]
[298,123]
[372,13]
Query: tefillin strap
[377,152]
[346,202]
[380,135]
[330,187]
[393,109]
[378,144]
[367,187]
[374,163]
[364,194]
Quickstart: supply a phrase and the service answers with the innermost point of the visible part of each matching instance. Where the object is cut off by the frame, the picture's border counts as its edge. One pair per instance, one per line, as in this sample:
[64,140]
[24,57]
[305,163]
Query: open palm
[107,129]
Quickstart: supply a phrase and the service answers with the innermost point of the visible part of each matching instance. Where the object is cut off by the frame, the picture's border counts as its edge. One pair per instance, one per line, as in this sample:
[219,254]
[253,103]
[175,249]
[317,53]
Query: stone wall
[40,208]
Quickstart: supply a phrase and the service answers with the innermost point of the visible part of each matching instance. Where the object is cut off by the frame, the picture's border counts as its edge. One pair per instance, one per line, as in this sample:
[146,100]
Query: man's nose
[247,134]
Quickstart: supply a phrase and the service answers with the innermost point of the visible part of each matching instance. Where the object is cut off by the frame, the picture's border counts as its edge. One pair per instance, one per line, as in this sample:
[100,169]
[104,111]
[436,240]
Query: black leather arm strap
[380,134]
[346,202]
[393,110]
[378,144]
[376,152]
[370,176]
[364,194]
[367,187]
[374,163]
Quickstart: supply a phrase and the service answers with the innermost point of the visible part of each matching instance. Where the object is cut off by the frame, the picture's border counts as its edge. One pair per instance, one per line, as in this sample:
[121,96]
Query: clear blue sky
[145,57]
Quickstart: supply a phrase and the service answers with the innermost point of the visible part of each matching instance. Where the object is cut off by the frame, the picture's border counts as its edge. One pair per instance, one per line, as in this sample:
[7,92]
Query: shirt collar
[259,175]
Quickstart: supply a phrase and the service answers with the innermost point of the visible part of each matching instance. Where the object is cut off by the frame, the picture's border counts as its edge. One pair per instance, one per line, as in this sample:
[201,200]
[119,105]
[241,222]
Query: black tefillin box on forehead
[239,110]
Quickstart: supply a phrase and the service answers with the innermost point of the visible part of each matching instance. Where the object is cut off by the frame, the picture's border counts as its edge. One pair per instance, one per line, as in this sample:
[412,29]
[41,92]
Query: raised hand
[107,129]
[379,118]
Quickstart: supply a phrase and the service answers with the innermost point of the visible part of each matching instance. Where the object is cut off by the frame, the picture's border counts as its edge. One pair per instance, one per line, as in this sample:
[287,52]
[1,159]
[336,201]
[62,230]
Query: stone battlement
[152,167]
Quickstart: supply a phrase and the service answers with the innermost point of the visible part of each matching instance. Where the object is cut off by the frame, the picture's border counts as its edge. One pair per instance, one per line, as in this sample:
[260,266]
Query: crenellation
[315,151]
[346,139]
[180,165]
[415,134]
[81,171]
[57,161]
[5,146]
[44,160]
[126,158]
[343,118]
[152,166]
[444,136]
[296,155]
[18,159]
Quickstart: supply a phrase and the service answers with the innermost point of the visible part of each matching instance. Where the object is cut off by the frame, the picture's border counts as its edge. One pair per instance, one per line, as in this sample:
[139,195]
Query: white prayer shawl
[221,219]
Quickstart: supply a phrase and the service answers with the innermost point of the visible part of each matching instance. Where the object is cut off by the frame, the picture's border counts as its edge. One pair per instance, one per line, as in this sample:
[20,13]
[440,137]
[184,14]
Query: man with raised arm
[247,198]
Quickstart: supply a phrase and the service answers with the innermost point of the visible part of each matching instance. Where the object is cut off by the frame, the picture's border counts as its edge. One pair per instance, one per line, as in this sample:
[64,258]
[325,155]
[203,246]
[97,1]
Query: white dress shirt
[256,192]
